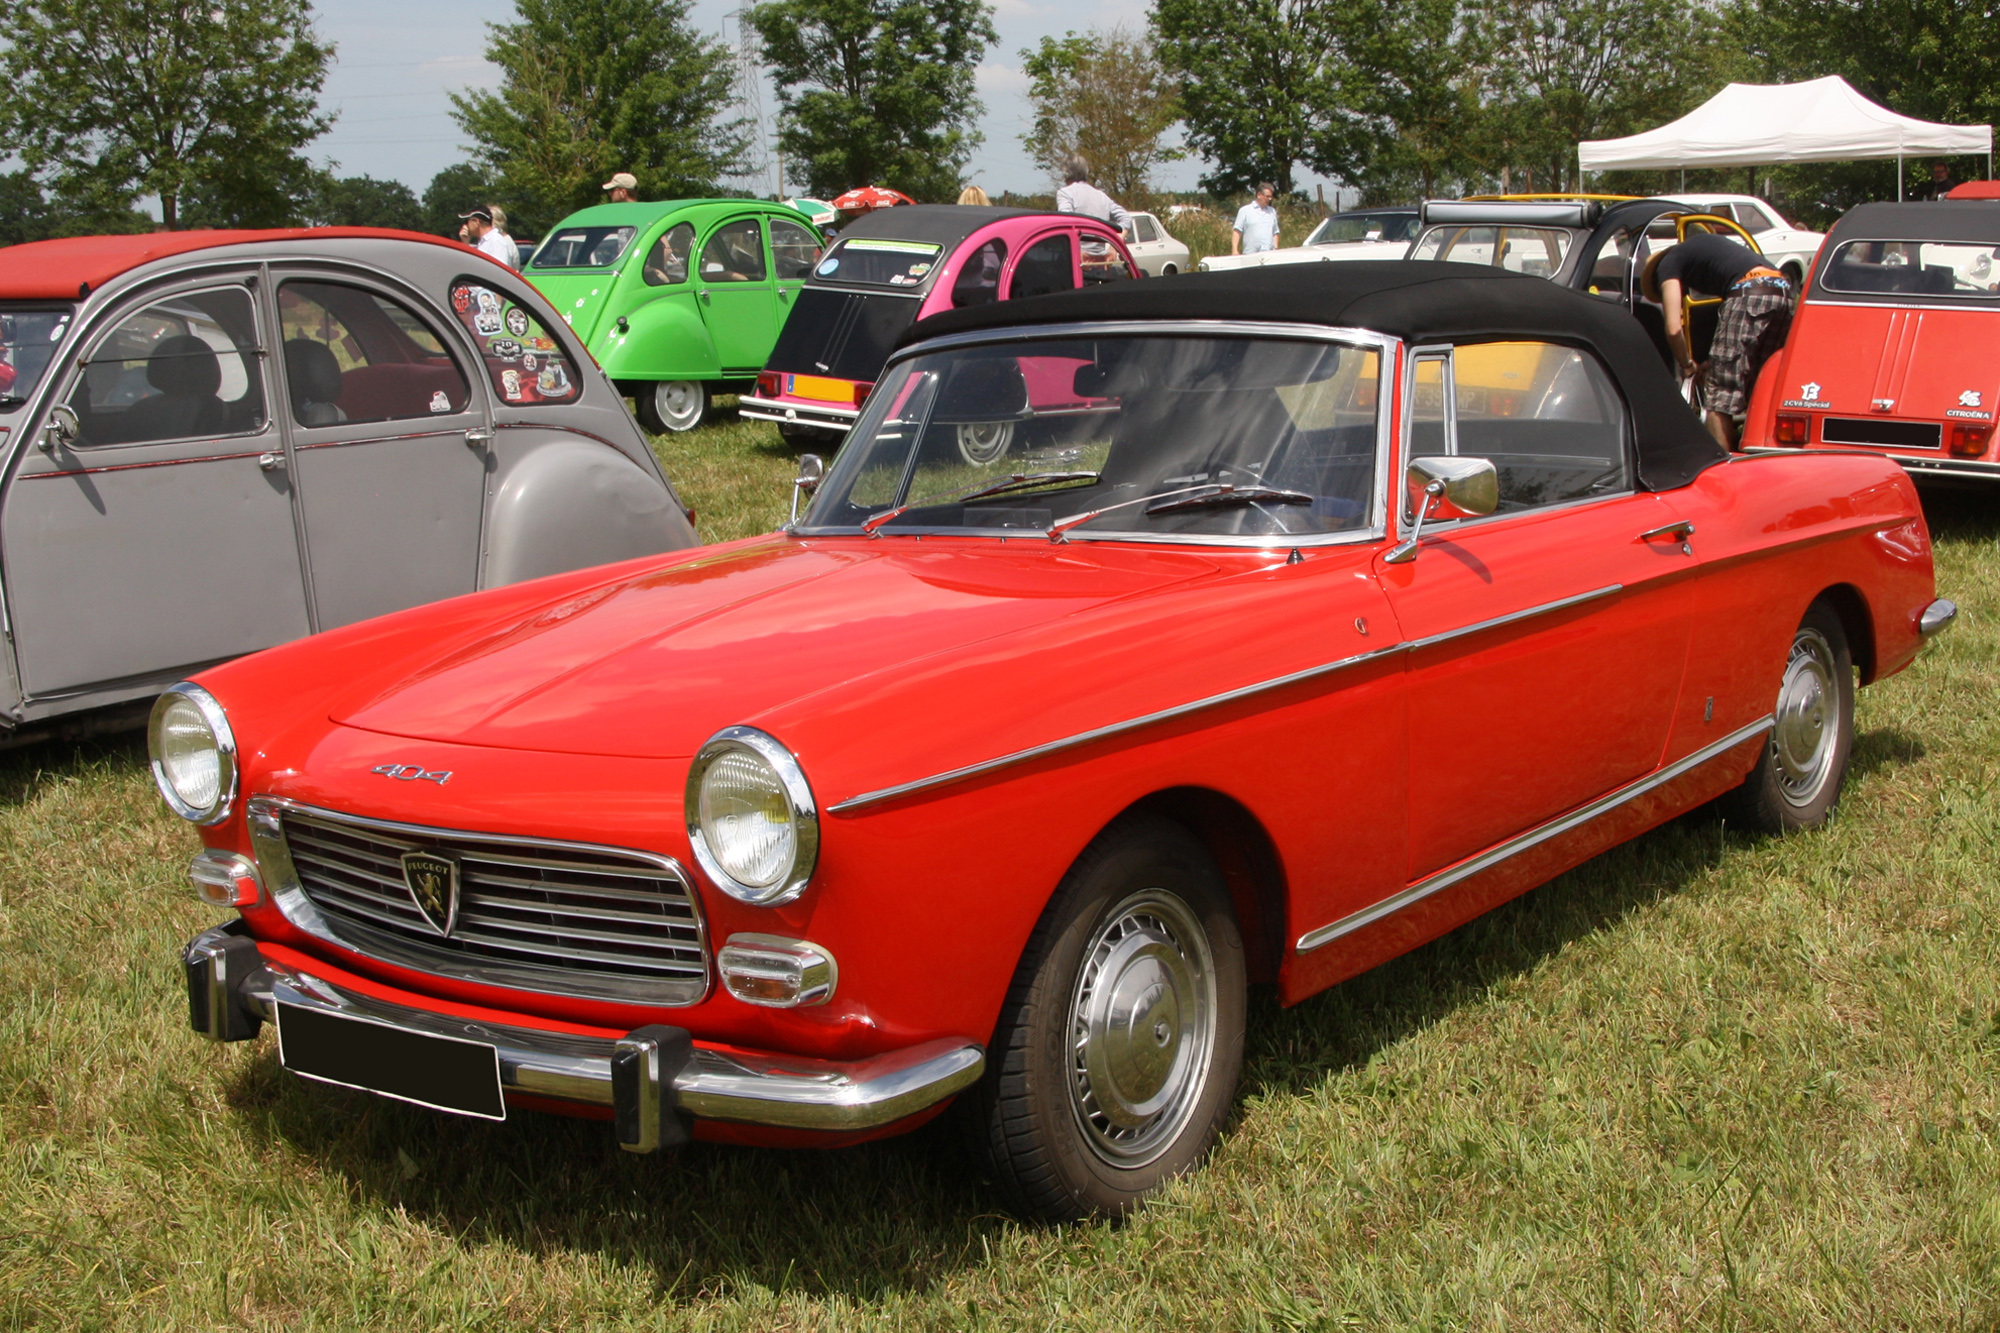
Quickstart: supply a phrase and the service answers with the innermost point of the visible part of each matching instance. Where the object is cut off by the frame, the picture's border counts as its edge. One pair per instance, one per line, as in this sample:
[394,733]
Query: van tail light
[769,384]
[1793,428]
[1969,438]
[861,392]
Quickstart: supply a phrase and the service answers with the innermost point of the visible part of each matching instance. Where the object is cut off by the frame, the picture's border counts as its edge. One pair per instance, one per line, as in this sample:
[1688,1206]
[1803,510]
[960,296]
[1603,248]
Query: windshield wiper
[1019,481]
[1224,494]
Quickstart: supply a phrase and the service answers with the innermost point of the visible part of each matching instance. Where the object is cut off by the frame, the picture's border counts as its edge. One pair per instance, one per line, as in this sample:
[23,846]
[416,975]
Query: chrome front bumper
[232,988]
[827,417]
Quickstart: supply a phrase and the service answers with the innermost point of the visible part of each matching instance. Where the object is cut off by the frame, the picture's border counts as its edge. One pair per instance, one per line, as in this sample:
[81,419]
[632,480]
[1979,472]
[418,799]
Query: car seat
[186,372]
[313,376]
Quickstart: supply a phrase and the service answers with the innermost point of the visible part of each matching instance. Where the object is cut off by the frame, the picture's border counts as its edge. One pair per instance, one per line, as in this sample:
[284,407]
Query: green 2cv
[679,300]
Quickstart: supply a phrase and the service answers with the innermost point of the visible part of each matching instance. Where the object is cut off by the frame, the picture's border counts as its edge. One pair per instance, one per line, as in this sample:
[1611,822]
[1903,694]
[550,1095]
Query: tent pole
[1899,178]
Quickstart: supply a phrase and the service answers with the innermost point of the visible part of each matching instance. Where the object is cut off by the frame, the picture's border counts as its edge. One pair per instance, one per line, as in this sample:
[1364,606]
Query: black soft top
[947,224]
[1417,301]
[1975,221]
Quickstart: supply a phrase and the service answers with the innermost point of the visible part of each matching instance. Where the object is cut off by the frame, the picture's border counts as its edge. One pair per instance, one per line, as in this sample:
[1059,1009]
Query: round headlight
[751,817]
[194,754]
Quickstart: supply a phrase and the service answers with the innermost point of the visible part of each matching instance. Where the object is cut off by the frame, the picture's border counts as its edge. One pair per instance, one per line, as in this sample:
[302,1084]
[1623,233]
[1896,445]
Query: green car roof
[642,214]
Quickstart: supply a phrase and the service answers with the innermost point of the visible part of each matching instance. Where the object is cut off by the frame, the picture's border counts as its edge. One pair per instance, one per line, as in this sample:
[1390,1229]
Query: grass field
[1706,1081]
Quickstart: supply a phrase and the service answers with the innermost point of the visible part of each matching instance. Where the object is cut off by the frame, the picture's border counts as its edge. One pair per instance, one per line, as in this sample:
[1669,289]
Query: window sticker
[526,364]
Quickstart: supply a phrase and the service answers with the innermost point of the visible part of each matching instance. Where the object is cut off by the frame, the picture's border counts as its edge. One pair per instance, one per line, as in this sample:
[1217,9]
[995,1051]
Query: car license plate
[825,390]
[443,1073]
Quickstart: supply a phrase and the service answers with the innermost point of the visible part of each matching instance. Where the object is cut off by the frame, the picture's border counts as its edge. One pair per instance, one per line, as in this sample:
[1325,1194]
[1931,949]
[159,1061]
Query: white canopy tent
[1755,124]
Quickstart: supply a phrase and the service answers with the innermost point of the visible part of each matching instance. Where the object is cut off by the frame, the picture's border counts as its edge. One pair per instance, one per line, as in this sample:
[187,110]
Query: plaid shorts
[1755,318]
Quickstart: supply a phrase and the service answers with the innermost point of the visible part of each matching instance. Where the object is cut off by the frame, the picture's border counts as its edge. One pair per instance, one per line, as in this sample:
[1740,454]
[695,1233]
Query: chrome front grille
[555,917]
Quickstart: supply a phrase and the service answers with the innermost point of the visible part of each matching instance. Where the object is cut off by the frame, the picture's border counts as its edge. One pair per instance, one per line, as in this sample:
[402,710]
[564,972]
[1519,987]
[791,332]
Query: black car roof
[1945,220]
[1417,301]
[947,224]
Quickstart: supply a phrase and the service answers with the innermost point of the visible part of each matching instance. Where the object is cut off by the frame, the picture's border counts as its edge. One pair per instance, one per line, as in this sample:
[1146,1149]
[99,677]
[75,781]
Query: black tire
[1118,1048]
[1796,783]
[668,407]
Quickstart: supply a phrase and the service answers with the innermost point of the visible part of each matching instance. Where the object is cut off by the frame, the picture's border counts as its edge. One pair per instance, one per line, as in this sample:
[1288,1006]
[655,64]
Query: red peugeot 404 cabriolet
[1307,614]
[1893,348]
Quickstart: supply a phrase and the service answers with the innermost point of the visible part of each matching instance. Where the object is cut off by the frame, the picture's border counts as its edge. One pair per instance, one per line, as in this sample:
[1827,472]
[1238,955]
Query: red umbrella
[867,198]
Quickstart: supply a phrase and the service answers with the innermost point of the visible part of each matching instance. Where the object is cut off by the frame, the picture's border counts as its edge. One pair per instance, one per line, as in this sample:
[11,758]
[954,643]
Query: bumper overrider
[654,1080]
[826,416]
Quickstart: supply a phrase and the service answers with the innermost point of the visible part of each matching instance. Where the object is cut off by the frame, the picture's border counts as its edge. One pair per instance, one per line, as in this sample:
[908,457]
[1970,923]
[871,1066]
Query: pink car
[898,265]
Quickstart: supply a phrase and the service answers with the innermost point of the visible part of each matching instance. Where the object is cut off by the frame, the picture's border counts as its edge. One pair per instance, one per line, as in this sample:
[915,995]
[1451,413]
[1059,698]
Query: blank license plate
[443,1073]
[825,390]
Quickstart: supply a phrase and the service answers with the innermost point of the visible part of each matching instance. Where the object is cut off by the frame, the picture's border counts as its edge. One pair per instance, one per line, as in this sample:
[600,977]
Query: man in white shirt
[1078,195]
[487,238]
[1256,225]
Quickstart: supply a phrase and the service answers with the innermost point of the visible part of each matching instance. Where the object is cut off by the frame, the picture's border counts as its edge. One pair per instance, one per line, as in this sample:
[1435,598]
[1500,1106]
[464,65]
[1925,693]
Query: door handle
[478,436]
[705,299]
[784,293]
[271,462]
[1683,530]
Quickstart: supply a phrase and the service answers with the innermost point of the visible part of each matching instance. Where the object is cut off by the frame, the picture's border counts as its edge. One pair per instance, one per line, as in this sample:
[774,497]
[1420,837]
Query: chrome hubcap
[1142,1028]
[984,442]
[1803,741]
[679,403]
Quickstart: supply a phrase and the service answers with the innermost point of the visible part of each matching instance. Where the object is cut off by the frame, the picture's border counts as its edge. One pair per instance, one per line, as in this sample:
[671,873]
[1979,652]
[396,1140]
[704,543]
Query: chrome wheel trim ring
[1803,740]
[679,403]
[983,443]
[1141,1028]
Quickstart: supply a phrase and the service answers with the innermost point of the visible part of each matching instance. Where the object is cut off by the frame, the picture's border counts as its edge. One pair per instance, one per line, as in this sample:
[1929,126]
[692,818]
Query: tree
[591,87]
[457,189]
[1570,70]
[113,99]
[1104,96]
[1254,84]
[1413,100]
[363,201]
[877,92]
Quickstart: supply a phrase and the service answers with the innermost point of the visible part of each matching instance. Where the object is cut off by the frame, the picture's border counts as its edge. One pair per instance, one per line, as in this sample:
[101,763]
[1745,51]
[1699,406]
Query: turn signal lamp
[1792,428]
[1969,438]
[225,879]
[769,384]
[861,392]
[776,972]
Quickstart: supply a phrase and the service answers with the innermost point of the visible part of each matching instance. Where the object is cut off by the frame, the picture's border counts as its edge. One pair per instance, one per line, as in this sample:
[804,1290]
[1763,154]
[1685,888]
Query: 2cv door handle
[271,461]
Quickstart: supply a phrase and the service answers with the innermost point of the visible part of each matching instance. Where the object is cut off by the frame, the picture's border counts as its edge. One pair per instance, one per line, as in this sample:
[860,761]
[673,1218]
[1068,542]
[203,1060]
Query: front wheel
[672,406]
[1797,780]
[1121,1039]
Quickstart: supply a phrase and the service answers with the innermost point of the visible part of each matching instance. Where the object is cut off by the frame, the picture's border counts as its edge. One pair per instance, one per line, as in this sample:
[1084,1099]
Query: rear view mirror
[1445,488]
[812,470]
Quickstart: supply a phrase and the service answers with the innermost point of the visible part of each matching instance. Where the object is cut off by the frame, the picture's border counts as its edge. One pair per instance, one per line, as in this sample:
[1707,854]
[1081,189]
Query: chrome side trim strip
[1534,837]
[866,799]
[796,1092]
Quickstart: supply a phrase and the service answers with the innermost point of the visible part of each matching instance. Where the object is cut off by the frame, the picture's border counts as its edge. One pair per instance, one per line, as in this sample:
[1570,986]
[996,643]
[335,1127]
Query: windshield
[28,341]
[879,263]
[1914,268]
[584,247]
[1364,227]
[1151,436]
[1536,251]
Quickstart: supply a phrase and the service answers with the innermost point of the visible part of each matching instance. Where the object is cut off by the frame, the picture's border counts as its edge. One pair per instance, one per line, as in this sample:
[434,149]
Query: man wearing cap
[623,188]
[487,238]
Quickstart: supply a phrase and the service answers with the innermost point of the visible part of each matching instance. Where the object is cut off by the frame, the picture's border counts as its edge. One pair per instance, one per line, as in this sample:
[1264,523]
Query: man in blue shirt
[1256,226]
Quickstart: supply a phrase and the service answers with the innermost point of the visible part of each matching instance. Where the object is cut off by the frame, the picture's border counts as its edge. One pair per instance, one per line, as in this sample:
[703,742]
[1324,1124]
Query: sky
[397,60]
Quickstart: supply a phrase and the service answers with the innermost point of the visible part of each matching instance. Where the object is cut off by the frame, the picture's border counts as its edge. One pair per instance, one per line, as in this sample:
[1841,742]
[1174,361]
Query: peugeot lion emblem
[433,884]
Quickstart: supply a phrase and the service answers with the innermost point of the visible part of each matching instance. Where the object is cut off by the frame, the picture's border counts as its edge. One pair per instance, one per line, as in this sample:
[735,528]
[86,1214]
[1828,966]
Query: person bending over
[1755,317]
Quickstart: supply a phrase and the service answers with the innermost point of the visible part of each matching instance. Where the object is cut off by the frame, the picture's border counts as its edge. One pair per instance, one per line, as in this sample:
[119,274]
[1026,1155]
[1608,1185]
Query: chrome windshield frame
[1385,345]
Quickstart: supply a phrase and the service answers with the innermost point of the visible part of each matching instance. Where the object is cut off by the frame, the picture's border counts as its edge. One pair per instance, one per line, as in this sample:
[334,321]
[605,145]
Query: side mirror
[1445,488]
[812,471]
[61,429]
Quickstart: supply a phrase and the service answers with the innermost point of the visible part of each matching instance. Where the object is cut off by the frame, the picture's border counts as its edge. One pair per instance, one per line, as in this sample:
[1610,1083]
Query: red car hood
[651,665]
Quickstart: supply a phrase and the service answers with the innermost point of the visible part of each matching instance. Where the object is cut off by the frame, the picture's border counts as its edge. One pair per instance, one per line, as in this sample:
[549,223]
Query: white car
[1156,251]
[1790,249]
[1375,233]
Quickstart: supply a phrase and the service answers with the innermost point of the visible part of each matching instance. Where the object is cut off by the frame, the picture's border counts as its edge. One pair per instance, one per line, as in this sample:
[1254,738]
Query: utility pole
[749,80]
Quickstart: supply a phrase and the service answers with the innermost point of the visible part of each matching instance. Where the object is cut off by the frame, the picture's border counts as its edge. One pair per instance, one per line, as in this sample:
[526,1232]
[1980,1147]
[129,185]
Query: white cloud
[995,79]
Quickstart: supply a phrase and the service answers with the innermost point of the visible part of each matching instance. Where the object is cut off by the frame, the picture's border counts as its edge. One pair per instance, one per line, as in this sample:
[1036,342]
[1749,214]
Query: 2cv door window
[352,356]
[182,367]
[667,262]
[1049,265]
[734,254]
[523,359]
[794,250]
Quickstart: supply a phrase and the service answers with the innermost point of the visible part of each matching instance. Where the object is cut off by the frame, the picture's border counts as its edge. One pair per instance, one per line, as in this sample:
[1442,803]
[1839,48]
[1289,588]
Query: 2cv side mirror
[61,429]
[1442,489]
[812,470]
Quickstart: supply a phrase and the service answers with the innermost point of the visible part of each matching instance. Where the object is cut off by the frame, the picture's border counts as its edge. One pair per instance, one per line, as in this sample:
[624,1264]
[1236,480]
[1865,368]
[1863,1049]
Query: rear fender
[664,339]
[570,503]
